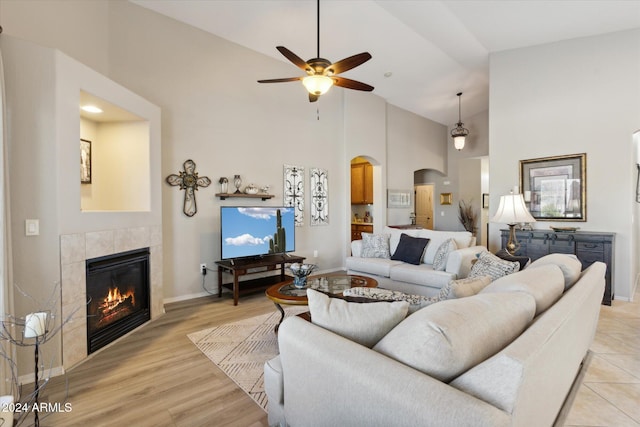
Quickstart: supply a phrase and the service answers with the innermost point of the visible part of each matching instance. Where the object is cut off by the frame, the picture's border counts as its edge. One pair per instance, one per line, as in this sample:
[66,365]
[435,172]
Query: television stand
[243,267]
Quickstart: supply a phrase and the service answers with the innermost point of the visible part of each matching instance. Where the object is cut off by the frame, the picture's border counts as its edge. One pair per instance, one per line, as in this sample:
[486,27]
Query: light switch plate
[32,227]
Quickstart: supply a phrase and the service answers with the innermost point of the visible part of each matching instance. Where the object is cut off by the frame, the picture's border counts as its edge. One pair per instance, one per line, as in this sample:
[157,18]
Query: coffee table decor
[300,273]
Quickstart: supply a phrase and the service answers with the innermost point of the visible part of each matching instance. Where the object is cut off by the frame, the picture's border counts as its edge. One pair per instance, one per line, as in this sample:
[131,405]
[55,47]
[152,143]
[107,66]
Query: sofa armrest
[460,261]
[330,380]
[356,248]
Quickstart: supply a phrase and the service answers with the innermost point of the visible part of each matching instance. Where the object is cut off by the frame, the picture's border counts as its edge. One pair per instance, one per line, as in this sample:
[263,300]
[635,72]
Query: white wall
[215,113]
[572,97]
[413,143]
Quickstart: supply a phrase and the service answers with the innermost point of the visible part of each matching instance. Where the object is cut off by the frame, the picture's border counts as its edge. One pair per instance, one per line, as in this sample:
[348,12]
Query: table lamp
[512,211]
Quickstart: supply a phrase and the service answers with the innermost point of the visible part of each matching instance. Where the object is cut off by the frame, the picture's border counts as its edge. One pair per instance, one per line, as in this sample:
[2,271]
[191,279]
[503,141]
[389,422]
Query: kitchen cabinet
[361,184]
[358,229]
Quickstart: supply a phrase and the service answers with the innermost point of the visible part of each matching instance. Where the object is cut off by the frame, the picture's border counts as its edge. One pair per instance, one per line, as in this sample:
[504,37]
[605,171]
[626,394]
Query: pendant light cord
[459,109]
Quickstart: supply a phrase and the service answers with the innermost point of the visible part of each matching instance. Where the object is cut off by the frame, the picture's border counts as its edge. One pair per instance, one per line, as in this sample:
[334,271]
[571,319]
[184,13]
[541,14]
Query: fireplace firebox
[117,296]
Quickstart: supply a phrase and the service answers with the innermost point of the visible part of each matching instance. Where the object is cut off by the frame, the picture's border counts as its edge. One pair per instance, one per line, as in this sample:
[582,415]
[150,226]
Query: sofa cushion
[410,249]
[364,323]
[375,245]
[467,287]
[490,265]
[445,339]
[422,274]
[544,283]
[442,253]
[375,266]
[463,239]
[568,263]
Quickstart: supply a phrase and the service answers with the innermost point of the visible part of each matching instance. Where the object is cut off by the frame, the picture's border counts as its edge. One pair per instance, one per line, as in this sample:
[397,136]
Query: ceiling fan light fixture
[317,84]
[459,133]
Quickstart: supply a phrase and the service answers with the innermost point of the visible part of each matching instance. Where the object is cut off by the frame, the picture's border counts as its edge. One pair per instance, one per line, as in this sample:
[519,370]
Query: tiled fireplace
[75,250]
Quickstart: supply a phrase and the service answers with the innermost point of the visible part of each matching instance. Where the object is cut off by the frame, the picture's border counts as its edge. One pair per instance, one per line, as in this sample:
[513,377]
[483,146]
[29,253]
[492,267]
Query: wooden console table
[588,246]
[244,267]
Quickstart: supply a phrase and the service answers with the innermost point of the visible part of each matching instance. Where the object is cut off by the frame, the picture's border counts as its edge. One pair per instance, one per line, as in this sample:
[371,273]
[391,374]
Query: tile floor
[610,392]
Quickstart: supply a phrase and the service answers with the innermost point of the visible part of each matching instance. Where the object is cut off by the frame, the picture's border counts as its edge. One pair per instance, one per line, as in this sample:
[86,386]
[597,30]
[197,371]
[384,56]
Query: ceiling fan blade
[349,63]
[313,97]
[286,79]
[351,84]
[297,61]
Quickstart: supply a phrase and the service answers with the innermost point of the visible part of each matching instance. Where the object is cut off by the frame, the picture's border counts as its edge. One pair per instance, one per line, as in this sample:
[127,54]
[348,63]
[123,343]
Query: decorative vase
[300,273]
[237,181]
[224,185]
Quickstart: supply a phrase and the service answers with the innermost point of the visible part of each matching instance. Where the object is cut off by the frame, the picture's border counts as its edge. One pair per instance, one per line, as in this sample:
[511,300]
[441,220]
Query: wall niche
[119,158]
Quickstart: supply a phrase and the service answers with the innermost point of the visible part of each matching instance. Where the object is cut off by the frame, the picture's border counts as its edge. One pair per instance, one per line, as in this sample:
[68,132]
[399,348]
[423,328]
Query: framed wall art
[85,161]
[294,191]
[319,196]
[398,199]
[557,187]
[446,198]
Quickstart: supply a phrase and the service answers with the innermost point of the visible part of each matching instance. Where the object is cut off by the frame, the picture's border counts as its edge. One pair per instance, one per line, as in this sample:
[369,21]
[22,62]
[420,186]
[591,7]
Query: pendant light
[459,133]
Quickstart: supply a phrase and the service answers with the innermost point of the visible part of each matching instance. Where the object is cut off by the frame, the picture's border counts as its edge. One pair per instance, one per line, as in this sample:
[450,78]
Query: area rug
[241,348]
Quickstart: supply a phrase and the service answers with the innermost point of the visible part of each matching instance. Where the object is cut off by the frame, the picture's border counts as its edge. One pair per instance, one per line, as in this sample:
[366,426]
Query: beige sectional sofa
[507,356]
[420,279]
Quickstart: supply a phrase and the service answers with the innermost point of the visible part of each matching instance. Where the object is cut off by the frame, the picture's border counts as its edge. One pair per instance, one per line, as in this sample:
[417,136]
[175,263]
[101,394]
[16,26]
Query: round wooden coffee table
[331,284]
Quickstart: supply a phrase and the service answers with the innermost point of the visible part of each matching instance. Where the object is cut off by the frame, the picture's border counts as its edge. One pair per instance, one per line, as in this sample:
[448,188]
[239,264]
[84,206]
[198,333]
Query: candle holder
[237,181]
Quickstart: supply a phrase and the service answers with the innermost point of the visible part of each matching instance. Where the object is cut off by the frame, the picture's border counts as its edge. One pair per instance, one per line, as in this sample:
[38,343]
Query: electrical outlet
[203,269]
[315,253]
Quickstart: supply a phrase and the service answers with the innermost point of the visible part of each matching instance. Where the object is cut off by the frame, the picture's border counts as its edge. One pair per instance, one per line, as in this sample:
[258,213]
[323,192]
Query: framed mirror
[554,188]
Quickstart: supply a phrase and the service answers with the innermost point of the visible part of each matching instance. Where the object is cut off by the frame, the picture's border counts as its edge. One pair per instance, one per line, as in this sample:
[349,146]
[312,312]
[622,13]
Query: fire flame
[115,297]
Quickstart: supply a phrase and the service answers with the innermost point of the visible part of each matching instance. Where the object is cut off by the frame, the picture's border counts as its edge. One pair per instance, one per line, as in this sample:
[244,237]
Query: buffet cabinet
[588,246]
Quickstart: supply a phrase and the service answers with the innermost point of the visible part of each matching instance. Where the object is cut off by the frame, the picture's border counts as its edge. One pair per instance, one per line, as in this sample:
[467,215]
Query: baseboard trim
[48,373]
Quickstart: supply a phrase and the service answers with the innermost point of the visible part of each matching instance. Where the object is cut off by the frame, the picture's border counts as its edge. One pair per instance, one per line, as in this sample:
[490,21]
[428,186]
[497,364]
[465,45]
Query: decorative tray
[565,229]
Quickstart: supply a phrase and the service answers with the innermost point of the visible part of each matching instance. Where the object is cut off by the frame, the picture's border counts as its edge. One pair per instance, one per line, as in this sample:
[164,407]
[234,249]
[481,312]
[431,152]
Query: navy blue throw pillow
[410,249]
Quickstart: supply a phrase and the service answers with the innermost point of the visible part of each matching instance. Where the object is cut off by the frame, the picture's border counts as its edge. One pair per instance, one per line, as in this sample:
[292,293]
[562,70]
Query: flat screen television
[251,231]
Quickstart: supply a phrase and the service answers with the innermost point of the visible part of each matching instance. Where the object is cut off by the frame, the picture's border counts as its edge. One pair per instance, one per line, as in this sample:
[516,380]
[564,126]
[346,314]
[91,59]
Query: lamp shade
[512,210]
[317,84]
[458,142]
[35,324]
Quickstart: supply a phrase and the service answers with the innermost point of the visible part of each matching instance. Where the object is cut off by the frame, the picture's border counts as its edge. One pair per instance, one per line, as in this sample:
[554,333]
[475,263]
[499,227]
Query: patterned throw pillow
[440,258]
[416,302]
[375,245]
[490,265]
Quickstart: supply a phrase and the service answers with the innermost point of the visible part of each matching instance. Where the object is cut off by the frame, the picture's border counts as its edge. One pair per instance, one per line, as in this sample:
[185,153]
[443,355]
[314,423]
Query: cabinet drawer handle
[590,245]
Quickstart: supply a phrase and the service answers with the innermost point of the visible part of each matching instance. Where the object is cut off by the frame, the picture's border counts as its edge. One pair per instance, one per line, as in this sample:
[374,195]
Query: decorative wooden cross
[189,181]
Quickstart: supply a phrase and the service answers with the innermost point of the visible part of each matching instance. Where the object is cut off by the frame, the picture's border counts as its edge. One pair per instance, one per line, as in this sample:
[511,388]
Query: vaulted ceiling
[424,52]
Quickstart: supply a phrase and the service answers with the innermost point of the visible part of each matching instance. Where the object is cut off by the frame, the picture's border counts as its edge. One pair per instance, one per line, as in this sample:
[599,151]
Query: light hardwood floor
[157,377]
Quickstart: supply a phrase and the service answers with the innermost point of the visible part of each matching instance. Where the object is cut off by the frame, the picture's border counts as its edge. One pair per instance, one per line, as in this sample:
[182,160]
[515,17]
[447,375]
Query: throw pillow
[416,302]
[410,249]
[523,260]
[440,258]
[375,245]
[467,287]
[445,339]
[364,323]
[490,265]
[568,263]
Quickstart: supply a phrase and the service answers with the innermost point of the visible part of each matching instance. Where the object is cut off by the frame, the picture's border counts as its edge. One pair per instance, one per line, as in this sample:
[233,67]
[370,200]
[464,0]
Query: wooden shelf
[244,195]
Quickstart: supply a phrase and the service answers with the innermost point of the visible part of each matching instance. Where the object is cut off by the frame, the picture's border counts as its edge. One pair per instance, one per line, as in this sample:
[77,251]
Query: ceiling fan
[321,73]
